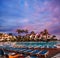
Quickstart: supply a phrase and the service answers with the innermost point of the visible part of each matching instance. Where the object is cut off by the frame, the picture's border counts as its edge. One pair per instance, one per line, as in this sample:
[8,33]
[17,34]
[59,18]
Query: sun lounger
[35,52]
[29,50]
[22,50]
[11,48]
[44,53]
[1,52]
[52,47]
[33,56]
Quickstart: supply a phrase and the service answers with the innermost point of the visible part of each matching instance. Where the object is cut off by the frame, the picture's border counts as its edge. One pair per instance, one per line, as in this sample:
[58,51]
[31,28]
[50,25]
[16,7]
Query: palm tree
[1,34]
[26,31]
[10,34]
[19,36]
[32,32]
[18,31]
[32,35]
[46,32]
[54,37]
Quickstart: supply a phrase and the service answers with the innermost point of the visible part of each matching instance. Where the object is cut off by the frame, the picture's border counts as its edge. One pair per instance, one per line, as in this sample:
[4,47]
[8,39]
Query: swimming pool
[31,44]
[38,44]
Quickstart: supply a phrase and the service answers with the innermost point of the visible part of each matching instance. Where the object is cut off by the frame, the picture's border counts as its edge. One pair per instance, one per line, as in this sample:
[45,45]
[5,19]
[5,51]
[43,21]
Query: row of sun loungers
[28,51]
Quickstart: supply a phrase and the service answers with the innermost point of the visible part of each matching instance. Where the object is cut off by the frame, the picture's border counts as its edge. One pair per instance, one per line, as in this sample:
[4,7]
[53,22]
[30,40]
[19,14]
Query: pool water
[37,44]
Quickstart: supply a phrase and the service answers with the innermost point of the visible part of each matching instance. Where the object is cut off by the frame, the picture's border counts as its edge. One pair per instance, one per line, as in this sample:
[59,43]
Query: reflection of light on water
[58,43]
[35,44]
[31,44]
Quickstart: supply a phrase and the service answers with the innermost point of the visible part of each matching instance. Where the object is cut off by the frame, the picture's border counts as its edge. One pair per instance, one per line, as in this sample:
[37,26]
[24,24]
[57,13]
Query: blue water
[34,44]
[38,44]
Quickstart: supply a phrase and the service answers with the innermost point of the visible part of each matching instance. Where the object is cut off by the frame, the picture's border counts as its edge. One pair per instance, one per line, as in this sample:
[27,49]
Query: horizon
[35,15]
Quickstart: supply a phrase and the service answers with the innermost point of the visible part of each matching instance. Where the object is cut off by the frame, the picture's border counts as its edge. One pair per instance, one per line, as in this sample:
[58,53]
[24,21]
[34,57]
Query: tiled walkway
[56,56]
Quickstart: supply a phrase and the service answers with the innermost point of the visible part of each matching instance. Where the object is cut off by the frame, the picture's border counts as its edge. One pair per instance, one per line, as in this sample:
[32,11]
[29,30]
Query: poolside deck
[56,56]
[53,52]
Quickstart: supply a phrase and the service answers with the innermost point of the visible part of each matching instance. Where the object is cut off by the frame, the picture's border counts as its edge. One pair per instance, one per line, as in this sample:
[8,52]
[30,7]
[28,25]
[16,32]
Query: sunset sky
[34,15]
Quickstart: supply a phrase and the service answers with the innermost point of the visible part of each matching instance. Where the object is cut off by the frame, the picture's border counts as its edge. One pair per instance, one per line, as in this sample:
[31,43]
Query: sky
[35,15]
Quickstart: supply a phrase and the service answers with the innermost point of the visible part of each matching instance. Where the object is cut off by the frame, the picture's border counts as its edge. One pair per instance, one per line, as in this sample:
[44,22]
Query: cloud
[31,14]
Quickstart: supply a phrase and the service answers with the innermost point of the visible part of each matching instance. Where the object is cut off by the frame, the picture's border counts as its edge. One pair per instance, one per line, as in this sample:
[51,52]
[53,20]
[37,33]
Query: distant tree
[10,34]
[18,31]
[45,32]
[1,34]
[32,32]
[21,31]
[53,37]
[26,31]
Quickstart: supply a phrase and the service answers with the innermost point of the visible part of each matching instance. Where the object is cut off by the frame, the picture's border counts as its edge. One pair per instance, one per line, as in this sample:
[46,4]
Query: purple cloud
[34,15]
